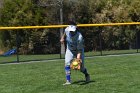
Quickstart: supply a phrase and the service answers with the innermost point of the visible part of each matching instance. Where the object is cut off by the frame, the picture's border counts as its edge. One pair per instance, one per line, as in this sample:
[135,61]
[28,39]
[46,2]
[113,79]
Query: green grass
[22,58]
[110,52]
[116,74]
[5,59]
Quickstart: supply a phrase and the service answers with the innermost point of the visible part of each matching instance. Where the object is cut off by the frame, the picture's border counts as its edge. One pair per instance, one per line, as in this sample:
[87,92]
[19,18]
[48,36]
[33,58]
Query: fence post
[100,40]
[137,40]
[62,51]
[17,45]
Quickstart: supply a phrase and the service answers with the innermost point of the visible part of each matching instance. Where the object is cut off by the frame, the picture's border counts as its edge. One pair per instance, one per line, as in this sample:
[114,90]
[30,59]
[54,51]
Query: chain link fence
[43,44]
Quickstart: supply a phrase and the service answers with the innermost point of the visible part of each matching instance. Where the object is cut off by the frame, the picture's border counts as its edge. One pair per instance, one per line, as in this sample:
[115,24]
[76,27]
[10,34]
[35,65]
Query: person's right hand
[62,40]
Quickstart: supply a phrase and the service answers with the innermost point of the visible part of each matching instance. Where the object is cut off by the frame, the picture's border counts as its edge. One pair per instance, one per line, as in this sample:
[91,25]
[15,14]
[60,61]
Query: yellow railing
[60,26]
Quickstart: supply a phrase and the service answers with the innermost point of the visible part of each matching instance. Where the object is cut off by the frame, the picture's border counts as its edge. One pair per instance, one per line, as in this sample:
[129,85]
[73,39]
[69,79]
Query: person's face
[72,33]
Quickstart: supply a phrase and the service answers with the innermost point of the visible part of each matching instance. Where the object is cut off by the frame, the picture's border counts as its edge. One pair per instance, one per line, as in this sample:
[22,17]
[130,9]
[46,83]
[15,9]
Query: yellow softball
[75,63]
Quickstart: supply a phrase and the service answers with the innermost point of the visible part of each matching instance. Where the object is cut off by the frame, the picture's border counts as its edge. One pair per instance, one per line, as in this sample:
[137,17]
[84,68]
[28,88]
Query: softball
[75,63]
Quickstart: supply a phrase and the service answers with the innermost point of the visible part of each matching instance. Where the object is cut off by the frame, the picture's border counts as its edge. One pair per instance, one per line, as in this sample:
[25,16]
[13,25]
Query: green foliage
[45,12]
[22,13]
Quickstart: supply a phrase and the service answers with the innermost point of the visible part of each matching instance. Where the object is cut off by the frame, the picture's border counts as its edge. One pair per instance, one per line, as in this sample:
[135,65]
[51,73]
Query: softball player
[75,49]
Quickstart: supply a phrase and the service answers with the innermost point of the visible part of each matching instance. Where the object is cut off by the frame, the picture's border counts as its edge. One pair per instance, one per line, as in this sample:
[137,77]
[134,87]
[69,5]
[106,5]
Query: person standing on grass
[75,49]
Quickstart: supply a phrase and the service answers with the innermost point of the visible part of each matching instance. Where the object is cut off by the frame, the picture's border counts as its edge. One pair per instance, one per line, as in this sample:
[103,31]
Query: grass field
[110,74]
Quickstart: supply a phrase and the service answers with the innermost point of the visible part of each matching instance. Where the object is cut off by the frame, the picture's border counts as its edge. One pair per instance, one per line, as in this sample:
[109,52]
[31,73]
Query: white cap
[72,28]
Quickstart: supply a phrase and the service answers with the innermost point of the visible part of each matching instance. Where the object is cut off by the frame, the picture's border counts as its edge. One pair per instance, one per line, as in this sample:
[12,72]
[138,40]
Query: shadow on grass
[83,82]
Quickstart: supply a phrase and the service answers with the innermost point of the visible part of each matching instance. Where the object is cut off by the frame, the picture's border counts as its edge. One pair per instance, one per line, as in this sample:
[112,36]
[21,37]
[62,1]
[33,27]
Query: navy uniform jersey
[74,43]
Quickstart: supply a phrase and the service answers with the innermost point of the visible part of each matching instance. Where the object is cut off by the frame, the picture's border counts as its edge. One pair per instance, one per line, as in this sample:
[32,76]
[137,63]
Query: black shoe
[87,77]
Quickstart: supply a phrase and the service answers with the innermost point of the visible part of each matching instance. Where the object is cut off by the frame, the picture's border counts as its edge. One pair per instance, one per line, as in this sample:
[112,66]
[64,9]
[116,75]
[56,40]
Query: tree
[30,12]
